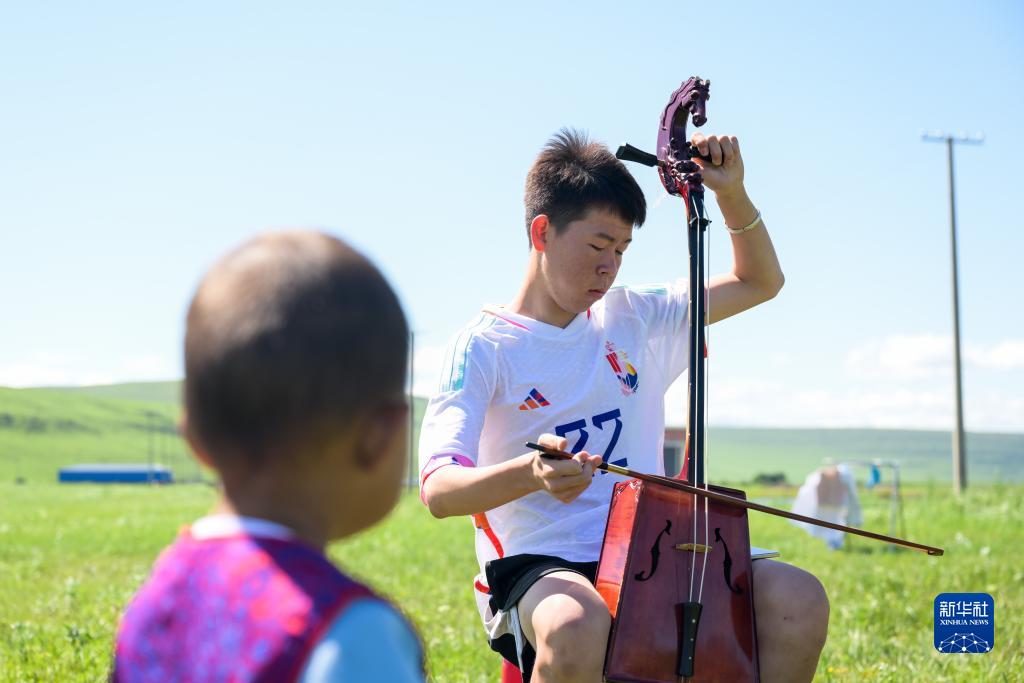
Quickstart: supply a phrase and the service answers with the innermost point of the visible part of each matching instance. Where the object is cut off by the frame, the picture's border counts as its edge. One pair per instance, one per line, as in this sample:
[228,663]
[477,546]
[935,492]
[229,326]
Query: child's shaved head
[289,337]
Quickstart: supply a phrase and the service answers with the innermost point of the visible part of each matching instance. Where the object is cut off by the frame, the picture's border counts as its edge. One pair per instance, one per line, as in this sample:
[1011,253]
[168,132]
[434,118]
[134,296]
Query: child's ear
[193,443]
[375,435]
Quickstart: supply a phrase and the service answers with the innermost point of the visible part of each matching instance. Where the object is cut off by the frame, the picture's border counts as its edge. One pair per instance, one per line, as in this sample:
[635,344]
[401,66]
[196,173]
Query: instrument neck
[693,470]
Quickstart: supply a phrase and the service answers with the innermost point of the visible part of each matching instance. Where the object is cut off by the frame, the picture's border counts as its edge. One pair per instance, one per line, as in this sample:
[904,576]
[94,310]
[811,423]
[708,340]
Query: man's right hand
[454,490]
[563,479]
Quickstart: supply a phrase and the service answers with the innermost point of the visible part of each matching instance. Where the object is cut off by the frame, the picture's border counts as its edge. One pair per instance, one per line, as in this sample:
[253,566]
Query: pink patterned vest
[239,608]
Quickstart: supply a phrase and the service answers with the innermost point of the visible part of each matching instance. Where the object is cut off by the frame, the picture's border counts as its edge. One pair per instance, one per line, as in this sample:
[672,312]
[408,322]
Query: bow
[736,502]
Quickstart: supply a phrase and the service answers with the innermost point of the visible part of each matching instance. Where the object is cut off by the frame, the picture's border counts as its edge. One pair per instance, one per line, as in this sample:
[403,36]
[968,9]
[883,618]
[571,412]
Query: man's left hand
[724,173]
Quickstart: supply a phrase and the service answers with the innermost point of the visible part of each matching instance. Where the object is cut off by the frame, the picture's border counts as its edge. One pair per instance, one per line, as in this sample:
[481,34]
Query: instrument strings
[691,427]
[705,239]
[698,368]
[701,358]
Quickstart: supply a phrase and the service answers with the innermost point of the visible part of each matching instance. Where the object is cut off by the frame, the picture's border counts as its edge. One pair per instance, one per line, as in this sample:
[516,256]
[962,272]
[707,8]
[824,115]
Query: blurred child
[295,361]
[829,493]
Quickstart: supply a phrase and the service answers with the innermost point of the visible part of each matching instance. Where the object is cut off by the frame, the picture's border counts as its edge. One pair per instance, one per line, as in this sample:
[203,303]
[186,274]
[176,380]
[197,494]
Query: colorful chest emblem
[629,379]
[533,401]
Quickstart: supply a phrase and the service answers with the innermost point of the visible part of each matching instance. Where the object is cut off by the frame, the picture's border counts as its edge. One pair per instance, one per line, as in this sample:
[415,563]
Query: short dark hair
[288,338]
[573,175]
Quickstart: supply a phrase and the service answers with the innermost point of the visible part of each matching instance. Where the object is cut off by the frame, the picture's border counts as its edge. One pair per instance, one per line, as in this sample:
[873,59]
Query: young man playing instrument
[587,365]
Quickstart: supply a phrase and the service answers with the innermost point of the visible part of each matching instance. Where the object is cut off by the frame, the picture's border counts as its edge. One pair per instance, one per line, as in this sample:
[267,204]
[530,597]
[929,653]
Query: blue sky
[141,141]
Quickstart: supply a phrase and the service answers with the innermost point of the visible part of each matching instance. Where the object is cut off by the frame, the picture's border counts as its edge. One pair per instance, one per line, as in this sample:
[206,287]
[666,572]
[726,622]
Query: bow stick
[735,502]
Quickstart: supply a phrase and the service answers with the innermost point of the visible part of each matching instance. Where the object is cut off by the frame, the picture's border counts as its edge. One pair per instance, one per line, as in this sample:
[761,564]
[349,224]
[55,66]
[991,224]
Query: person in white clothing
[583,365]
[829,493]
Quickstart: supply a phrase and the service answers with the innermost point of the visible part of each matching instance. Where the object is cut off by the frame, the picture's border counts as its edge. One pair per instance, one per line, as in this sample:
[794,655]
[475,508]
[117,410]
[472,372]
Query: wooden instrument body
[644,644]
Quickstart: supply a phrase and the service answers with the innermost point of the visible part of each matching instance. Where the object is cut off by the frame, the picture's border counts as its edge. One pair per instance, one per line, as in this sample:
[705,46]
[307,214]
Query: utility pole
[959,451]
[149,458]
[412,469]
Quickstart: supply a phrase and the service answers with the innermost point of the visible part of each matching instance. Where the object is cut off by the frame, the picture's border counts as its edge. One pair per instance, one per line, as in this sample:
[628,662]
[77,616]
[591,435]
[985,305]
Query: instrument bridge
[693,547]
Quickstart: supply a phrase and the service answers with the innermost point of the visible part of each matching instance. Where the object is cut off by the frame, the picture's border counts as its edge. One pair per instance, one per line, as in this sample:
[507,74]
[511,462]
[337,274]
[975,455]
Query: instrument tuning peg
[628,152]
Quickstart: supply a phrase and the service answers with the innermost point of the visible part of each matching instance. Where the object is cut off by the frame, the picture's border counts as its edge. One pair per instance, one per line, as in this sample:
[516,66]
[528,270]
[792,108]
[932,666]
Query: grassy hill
[153,392]
[735,454]
[44,429]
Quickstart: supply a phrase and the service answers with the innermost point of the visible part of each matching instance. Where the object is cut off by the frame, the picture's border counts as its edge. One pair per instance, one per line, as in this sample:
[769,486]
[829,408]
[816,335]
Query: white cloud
[149,366]
[890,408]
[903,357]
[45,368]
[42,368]
[427,369]
[892,405]
[995,412]
[1006,355]
[730,400]
[927,356]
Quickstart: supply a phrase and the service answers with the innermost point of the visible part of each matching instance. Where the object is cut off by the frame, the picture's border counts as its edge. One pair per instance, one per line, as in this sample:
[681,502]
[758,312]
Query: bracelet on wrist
[746,228]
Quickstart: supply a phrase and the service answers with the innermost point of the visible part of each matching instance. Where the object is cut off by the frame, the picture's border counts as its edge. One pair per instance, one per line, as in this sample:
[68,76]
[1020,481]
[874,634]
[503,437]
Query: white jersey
[600,382]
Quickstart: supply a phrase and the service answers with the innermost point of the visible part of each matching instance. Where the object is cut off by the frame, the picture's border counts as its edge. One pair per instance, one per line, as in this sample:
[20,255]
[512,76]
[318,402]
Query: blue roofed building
[120,473]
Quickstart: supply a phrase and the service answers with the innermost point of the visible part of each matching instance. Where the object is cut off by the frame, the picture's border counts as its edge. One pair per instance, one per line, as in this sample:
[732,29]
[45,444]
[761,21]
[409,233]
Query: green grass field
[71,557]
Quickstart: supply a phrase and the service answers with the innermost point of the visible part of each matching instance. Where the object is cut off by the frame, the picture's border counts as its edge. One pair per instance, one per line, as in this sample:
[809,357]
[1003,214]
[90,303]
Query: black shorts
[509,578]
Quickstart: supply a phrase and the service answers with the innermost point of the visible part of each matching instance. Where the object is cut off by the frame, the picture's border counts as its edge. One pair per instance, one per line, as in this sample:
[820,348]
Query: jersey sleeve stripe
[437,462]
[445,367]
[456,372]
[447,370]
